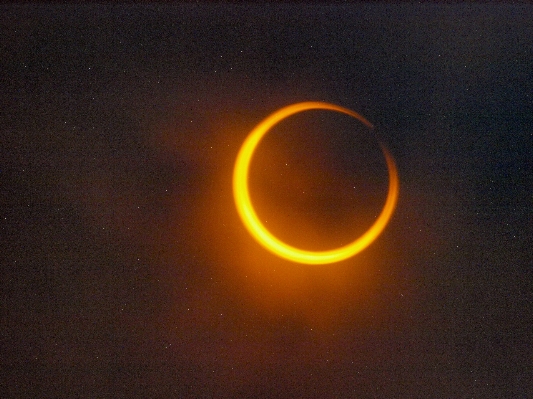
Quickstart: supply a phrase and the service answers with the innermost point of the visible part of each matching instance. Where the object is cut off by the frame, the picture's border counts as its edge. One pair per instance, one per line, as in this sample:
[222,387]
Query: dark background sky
[125,269]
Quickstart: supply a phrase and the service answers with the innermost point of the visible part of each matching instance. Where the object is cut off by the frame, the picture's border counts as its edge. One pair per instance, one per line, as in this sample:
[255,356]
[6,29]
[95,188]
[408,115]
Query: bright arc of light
[259,231]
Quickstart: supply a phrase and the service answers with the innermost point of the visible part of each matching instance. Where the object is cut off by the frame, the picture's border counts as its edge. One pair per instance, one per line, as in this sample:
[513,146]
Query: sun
[254,226]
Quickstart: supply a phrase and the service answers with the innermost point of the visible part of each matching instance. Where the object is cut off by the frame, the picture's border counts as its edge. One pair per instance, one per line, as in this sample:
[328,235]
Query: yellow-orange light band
[259,231]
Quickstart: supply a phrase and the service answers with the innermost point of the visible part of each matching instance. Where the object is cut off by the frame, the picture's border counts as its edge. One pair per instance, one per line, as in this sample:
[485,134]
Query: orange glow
[259,231]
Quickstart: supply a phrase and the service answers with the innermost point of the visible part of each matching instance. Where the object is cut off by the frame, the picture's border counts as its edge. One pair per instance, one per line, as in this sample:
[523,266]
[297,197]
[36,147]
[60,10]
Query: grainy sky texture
[126,272]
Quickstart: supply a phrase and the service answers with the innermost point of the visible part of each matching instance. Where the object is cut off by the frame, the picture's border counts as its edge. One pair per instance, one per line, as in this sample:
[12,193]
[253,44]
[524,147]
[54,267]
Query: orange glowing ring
[259,231]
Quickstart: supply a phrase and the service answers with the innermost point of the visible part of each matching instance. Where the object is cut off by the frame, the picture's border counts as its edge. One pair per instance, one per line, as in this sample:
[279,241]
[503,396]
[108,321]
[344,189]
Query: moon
[261,234]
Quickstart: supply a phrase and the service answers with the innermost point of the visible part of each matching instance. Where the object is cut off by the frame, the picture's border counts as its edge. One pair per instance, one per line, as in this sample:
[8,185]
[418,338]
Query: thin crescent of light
[259,231]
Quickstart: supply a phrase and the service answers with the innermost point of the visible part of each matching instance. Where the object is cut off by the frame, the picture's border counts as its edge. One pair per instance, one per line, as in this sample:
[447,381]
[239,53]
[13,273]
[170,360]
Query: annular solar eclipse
[252,222]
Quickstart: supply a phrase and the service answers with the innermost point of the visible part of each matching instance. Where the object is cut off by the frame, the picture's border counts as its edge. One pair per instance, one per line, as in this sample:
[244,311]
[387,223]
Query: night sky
[126,271]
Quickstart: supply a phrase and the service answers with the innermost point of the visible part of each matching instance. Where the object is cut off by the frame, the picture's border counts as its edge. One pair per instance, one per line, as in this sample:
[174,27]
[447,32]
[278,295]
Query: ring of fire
[258,230]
